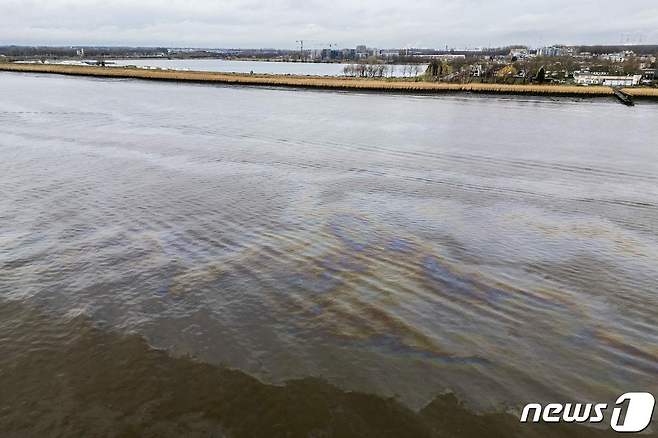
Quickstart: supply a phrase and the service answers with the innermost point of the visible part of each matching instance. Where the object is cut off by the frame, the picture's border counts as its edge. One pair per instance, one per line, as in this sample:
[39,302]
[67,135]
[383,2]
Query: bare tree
[360,70]
[391,70]
[350,70]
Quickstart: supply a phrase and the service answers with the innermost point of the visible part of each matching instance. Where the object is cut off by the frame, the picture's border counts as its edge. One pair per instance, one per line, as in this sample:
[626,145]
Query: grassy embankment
[337,83]
[642,92]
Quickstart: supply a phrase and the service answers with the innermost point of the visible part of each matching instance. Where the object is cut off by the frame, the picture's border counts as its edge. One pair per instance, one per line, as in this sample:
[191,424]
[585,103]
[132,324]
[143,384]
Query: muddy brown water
[188,259]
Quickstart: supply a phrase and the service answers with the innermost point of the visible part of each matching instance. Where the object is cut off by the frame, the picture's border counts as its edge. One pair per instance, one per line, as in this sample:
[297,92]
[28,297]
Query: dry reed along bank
[399,85]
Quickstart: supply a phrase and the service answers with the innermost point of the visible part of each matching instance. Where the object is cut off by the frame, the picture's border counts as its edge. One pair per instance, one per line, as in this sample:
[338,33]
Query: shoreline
[329,83]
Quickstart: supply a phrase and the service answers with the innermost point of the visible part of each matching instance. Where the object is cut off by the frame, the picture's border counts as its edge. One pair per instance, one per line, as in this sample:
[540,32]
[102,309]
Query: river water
[502,249]
[262,67]
[256,67]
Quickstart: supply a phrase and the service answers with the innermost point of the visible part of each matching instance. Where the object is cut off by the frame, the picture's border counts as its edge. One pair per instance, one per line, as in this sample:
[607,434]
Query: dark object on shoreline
[624,98]
[541,76]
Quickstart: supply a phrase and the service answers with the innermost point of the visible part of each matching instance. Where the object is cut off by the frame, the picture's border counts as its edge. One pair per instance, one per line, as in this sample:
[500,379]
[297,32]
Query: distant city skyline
[281,23]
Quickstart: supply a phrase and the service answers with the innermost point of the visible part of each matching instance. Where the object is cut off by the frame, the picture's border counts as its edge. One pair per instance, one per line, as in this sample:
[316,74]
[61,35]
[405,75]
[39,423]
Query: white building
[447,57]
[519,53]
[315,54]
[618,57]
[389,53]
[477,70]
[552,51]
[603,79]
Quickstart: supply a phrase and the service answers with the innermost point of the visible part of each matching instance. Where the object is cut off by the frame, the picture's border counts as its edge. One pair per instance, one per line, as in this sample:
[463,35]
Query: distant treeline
[132,52]
[487,51]
[647,49]
[407,56]
[55,52]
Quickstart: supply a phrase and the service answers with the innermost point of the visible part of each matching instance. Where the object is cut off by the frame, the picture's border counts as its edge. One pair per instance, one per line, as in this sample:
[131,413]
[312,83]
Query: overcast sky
[279,23]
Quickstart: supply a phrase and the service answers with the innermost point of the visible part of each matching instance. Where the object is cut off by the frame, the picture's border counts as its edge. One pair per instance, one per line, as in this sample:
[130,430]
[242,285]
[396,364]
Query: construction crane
[313,44]
[301,48]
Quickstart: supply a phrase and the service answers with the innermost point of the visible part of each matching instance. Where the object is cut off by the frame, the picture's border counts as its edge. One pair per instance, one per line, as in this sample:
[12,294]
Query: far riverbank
[335,83]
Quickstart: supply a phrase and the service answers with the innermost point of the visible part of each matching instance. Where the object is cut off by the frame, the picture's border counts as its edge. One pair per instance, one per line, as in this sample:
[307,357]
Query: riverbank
[335,83]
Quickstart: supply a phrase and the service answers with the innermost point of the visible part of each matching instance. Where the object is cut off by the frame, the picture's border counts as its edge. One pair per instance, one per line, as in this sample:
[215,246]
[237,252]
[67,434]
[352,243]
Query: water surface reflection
[502,249]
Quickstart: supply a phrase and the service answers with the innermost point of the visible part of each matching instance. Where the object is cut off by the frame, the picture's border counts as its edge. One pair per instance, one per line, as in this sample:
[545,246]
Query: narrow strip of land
[335,83]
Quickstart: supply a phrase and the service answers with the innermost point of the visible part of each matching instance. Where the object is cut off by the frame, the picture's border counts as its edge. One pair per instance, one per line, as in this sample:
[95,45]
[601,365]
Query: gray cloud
[279,23]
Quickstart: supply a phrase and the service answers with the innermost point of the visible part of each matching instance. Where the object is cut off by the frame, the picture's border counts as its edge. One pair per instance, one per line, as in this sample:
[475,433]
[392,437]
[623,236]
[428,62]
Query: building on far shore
[587,78]
[618,57]
[649,74]
[519,53]
[555,51]
[389,53]
[442,57]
